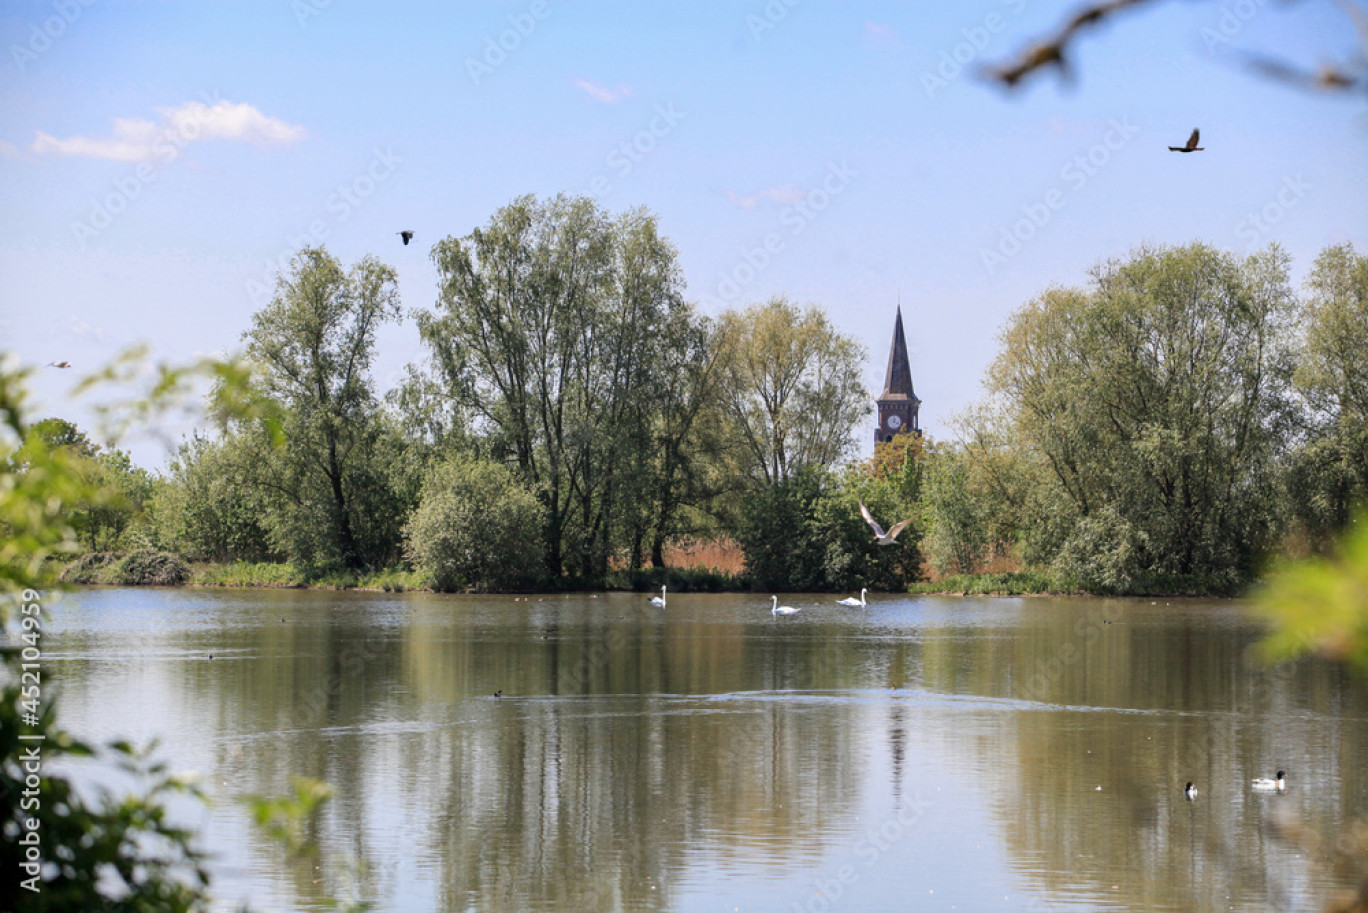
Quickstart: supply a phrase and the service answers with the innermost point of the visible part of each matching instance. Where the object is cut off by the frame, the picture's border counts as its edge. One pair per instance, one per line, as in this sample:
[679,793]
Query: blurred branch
[1350,76]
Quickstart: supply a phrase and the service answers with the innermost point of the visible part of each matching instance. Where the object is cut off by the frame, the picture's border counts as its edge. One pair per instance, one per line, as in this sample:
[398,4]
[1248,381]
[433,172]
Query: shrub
[476,526]
[149,567]
[89,568]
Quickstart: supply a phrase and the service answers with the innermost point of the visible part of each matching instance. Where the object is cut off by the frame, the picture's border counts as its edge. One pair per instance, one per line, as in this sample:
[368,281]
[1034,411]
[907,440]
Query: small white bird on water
[881,537]
[659,600]
[1263,784]
[1190,791]
[851,600]
[778,609]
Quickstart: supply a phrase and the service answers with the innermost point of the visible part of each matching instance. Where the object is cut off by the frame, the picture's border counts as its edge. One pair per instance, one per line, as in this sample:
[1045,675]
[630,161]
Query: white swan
[659,600]
[778,609]
[853,601]
[1266,785]
[881,537]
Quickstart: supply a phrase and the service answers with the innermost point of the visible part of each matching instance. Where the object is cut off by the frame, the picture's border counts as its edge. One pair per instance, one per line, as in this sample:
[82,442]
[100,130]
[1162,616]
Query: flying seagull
[881,537]
[58,364]
[1191,143]
[407,236]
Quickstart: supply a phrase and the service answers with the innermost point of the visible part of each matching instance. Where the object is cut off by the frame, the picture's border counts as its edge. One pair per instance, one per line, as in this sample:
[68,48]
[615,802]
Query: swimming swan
[778,609]
[659,600]
[853,601]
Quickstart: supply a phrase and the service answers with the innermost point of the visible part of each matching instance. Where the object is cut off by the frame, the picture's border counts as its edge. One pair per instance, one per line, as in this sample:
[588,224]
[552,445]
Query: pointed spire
[898,382]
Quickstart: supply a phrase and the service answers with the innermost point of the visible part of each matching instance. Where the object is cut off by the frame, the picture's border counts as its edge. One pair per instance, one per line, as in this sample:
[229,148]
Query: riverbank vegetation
[1165,430]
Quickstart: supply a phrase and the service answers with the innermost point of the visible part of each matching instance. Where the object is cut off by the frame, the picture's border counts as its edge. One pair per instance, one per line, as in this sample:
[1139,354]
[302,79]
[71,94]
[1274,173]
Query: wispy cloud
[879,32]
[609,95]
[136,139]
[784,194]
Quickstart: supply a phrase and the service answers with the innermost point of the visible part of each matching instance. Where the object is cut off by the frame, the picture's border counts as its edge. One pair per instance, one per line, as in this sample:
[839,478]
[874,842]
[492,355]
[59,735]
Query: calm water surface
[923,753]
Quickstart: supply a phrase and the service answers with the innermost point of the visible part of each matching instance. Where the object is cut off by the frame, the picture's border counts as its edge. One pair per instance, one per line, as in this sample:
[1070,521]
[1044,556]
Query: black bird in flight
[1191,143]
[407,236]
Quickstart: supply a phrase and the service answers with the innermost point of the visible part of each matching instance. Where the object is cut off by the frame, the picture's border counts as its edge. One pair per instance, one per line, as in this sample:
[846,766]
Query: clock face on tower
[895,422]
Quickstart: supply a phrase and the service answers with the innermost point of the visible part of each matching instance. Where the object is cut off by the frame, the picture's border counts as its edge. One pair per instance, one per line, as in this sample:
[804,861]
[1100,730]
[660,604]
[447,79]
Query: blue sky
[161,160]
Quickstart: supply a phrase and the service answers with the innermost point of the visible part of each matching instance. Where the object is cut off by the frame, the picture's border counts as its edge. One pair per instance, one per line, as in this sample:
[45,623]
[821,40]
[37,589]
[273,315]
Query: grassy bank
[1038,583]
[152,568]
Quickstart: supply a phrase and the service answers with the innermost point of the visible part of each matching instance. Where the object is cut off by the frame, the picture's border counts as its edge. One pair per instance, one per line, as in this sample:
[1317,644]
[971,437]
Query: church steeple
[898,404]
[898,380]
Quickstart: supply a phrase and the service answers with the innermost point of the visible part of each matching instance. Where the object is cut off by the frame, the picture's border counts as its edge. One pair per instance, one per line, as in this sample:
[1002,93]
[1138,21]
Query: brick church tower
[898,404]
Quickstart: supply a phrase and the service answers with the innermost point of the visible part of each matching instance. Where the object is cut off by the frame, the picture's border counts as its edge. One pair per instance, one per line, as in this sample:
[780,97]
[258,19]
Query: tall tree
[1329,471]
[1158,399]
[554,328]
[314,343]
[792,387]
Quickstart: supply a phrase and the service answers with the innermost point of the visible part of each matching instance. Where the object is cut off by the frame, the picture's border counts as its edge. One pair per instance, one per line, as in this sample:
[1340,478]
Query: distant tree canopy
[791,386]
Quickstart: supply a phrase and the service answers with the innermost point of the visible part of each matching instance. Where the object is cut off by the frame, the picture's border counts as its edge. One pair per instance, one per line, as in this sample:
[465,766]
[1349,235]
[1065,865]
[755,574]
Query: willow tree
[314,344]
[1329,472]
[1158,399]
[791,384]
[556,328]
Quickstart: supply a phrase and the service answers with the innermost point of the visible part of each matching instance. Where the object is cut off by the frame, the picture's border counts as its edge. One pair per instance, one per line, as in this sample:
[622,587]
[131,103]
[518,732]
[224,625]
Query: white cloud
[605,94]
[136,139]
[782,194]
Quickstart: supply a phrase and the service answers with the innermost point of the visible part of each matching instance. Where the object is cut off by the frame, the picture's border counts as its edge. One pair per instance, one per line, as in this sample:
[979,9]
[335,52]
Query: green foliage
[678,579]
[330,506]
[791,385]
[778,536]
[100,852]
[1321,605]
[150,567]
[564,333]
[208,507]
[476,526]
[90,568]
[1157,403]
[957,528]
[851,557]
[246,573]
[806,533]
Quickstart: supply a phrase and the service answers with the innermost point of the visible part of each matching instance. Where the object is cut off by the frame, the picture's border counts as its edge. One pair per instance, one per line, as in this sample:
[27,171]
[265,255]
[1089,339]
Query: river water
[917,754]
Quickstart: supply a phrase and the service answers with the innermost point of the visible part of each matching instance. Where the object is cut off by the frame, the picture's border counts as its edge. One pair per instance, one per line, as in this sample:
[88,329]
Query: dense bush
[807,534]
[476,526]
[149,567]
[89,568]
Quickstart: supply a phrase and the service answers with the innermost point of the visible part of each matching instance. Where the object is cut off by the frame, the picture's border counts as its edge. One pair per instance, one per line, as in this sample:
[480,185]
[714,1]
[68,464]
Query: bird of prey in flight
[1191,143]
